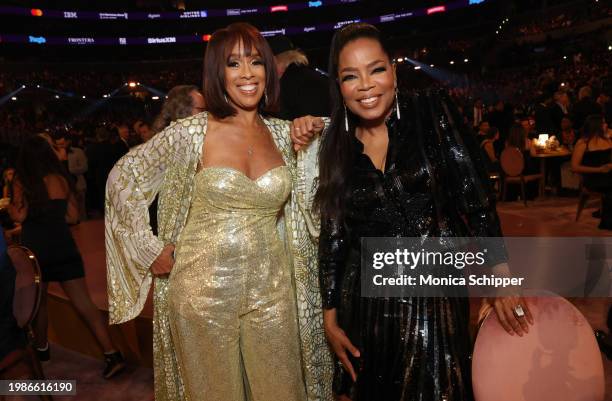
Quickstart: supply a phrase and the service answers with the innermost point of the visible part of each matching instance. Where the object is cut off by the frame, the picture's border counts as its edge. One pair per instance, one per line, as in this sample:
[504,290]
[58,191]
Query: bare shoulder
[580,143]
[57,186]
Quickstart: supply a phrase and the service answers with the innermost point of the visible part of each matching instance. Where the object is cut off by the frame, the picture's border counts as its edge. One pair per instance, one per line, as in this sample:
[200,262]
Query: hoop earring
[397,108]
[346,122]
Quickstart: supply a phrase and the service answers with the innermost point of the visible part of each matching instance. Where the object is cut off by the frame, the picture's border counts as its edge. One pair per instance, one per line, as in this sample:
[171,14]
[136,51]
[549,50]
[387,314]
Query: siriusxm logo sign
[37,39]
[315,3]
[170,39]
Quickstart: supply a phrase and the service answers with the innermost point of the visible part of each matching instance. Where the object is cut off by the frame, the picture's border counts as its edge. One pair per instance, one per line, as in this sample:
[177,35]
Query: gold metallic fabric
[166,165]
[231,300]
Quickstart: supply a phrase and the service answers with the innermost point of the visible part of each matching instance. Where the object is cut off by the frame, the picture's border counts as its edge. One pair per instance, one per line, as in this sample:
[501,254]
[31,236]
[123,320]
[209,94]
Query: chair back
[27,284]
[557,360]
[512,161]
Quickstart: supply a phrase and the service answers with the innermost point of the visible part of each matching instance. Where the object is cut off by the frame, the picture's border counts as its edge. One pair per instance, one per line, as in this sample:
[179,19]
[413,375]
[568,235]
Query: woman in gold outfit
[237,309]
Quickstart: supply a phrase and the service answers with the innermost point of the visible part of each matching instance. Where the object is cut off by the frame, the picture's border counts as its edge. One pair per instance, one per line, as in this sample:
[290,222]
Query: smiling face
[367,79]
[245,77]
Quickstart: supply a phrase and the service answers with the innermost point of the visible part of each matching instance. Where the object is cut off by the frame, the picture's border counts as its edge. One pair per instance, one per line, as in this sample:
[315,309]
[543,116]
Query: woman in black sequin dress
[386,172]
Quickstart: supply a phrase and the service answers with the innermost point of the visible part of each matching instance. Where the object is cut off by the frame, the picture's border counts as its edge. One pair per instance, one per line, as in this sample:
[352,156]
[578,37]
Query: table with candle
[547,148]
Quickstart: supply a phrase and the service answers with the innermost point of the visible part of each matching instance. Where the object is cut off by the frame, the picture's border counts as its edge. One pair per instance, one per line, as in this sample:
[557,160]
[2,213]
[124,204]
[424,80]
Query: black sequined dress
[434,184]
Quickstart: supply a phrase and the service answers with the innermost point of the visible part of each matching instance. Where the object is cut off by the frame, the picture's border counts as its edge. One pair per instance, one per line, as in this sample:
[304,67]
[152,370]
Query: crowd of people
[564,17]
[551,100]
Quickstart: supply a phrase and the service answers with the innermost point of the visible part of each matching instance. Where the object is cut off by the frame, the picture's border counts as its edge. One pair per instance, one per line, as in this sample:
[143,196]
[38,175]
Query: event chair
[495,179]
[583,197]
[513,165]
[28,292]
[557,360]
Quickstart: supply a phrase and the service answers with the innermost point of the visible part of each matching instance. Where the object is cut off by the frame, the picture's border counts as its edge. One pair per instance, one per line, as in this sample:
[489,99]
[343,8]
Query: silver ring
[518,311]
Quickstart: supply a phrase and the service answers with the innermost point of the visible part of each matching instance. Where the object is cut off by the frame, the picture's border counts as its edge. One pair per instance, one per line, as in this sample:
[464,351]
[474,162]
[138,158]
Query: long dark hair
[336,156]
[593,127]
[517,136]
[37,160]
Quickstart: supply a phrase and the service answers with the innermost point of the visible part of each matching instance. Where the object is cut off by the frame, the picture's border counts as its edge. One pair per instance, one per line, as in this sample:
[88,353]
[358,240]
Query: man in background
[304,91]
[584,107]
[143,131]
[478,113]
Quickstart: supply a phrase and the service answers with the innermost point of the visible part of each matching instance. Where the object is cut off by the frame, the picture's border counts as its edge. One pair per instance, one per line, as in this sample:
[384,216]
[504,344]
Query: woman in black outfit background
[44,202]
[592,157]
[397,166]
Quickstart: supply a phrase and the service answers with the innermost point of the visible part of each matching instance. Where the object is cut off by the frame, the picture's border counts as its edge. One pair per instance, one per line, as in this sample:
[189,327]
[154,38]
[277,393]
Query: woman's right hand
[339,342]
[304,129]
[162,266]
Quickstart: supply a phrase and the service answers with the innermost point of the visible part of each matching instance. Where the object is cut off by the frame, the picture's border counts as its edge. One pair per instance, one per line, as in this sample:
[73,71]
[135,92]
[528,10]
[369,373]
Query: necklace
[250,150]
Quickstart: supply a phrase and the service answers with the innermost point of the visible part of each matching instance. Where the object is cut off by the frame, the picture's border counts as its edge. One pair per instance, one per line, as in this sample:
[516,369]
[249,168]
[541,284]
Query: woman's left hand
[303,130]
[512,312]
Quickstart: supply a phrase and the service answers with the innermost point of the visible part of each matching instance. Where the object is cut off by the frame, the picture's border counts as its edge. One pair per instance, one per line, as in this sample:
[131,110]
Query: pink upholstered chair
[558,360]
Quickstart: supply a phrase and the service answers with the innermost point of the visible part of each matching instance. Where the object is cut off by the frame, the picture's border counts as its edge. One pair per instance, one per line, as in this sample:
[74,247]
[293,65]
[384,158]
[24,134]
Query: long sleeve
[333,246]
[468,182]
[308,173]
[131,246]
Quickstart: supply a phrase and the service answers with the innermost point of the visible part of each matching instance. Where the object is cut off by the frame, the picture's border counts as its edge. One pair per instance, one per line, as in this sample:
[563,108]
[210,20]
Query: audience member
[297,77]
[592,157]
[584,107]
[568,135]
[183,101]
[44,203]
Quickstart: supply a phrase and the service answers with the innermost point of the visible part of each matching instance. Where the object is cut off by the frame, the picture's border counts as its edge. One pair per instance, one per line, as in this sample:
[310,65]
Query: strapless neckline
[240,173]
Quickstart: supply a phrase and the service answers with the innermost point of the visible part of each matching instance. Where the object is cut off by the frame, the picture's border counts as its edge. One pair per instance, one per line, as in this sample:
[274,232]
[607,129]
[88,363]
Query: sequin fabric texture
[166,165]
[230,291]
[411,348]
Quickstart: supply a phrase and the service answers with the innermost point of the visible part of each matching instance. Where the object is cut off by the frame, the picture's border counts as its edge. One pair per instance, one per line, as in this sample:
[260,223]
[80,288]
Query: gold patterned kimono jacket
[166,165]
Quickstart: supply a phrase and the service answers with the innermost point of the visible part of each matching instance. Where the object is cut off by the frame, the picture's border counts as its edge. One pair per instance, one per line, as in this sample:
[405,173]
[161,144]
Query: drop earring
[265,98]
[346,124]
[397,107]
[225,97]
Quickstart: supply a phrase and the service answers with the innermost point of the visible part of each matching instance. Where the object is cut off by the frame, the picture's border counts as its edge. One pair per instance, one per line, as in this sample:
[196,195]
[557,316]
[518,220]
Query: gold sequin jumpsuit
[231,301]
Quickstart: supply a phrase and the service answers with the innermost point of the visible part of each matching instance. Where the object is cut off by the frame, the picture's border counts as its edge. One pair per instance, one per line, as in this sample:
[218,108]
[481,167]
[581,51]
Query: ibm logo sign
[70,14]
